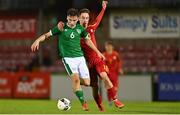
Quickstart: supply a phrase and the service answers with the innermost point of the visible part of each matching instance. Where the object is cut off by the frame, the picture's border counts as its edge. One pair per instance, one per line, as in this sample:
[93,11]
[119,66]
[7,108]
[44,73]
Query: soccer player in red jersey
[96,65]
[114,63]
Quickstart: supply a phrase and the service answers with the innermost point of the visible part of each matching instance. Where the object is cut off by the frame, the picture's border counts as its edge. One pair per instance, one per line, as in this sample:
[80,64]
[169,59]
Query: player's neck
[85,26]
[70,26]
[110,51]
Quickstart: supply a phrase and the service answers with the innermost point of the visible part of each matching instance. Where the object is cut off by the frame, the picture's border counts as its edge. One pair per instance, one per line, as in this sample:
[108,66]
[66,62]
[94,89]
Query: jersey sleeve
[84,33]
[98,19]
[55,31]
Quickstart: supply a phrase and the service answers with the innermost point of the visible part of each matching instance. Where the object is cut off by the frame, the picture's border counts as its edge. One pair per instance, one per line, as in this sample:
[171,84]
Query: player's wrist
[38,40]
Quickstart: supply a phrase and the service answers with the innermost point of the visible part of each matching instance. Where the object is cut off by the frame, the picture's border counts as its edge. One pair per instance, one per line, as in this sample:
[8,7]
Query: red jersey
[113,62]
[89,53]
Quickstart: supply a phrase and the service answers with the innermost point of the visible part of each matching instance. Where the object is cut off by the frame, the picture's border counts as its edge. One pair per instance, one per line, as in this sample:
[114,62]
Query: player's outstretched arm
[35,45]
[101,14]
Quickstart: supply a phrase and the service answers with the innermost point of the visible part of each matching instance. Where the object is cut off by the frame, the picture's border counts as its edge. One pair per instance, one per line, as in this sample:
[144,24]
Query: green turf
[49,107]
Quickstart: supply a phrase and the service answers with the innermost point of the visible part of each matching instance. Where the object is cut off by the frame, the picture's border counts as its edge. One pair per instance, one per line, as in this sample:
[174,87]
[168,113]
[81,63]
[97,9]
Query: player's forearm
[99,17]
[35,45]
[43,37]
[92,46]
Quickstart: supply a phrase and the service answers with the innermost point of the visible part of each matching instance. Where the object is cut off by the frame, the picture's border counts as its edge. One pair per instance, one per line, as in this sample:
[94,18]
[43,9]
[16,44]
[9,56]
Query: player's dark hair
[72,12]
[109,43]
[84,10]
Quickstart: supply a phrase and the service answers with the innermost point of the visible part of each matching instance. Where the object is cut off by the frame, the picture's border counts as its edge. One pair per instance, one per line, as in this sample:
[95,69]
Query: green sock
[80,96]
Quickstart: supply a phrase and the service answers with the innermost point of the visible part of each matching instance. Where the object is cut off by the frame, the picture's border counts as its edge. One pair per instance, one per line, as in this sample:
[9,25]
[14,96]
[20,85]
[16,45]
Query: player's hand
[61,26]
[104,4]
[35,46]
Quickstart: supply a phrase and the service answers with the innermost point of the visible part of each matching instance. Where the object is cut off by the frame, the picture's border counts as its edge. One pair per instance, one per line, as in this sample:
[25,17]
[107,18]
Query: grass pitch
[22,106]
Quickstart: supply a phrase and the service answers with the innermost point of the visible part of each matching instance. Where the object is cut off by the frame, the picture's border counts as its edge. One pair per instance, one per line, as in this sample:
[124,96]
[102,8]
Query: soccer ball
[64,104]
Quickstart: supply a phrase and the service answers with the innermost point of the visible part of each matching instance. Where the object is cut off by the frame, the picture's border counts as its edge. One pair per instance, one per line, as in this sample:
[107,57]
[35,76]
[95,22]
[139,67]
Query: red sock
[99,99]
[111,93]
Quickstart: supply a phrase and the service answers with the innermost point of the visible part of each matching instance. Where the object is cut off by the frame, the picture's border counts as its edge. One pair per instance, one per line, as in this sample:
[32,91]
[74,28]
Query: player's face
[84,19]
[72,20]
[108,47]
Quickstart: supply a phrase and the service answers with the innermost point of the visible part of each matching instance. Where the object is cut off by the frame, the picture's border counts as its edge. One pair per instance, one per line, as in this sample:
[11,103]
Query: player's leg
[95,89]
[98,98]
[84,82]
[108,84]
[114,81]
[84,72]
[109,98]
[72,69]
[111,90]
[77,88]
[84,76]
[116,86]
[101,68]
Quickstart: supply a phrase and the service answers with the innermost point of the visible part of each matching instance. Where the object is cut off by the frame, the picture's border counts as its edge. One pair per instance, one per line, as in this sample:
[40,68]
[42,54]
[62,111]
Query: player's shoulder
[90,26]
[79,26]
[90,29]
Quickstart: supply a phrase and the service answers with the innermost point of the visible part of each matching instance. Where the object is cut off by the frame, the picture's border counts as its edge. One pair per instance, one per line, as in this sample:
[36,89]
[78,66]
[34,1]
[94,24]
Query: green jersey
[69,40]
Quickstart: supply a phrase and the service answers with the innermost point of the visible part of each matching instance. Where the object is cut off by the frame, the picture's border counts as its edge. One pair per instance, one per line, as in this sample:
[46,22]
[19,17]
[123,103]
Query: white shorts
[76,65]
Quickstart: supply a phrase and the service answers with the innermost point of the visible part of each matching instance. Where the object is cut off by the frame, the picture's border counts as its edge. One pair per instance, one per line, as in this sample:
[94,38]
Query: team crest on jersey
[78,31]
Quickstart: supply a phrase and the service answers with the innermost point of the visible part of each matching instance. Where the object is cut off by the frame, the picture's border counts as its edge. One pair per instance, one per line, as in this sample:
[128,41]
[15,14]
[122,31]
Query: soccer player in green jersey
[71,53]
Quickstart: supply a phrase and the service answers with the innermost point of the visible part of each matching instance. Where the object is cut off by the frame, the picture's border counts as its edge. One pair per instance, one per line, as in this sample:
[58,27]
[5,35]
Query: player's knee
[87,83]
[76,79]
[76,82]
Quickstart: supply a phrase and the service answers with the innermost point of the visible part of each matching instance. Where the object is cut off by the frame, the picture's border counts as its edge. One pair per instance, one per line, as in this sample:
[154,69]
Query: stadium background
[150,51]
